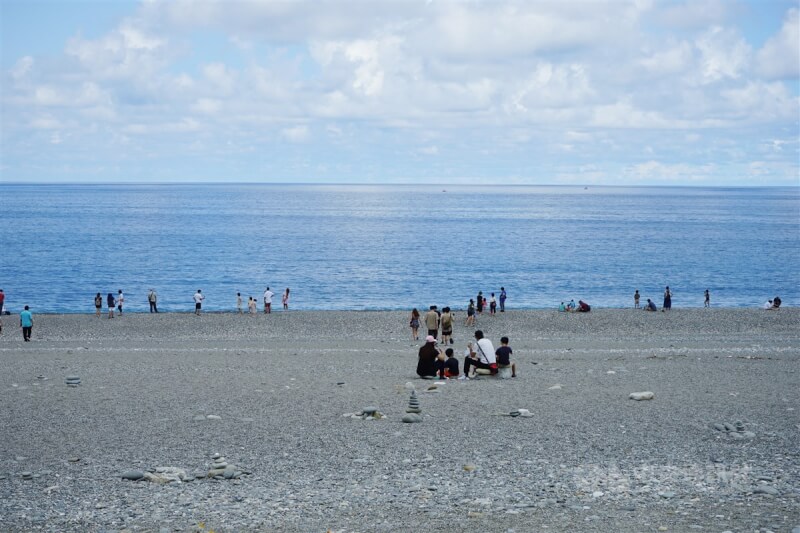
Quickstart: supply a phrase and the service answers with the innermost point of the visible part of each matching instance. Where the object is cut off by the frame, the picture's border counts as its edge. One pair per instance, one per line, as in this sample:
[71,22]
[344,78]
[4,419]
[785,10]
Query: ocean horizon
[396,246]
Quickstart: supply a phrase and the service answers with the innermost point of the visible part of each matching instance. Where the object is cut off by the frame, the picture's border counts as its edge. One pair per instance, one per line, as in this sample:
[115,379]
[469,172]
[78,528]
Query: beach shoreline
[277,395]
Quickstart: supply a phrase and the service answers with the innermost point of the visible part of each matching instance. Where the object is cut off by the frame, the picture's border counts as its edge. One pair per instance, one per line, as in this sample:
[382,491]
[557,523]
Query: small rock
[229,472]
[766,489]
[667,494]
[557,386]
[213,417]
[719,427]
[27,475]
[412,418]
[133,475]
[469,467]
[639,396]
[369,410]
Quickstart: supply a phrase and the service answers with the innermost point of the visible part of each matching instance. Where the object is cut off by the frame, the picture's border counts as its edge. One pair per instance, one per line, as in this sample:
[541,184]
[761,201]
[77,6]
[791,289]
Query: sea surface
[395,246]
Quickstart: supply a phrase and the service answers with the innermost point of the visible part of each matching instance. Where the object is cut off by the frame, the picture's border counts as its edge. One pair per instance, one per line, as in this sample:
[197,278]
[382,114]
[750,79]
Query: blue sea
[395,246]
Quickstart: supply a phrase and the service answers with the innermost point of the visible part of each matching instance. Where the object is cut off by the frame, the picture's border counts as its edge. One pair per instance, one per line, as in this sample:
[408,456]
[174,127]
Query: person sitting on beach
[428,355]
[571,305]
[776,302]
[583,307]
[503,355]
[481,355]
[651,305]
[562,308]
[449,367]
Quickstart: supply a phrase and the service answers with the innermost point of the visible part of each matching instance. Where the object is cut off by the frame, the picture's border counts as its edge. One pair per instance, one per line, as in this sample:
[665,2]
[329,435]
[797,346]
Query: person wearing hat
[428,355]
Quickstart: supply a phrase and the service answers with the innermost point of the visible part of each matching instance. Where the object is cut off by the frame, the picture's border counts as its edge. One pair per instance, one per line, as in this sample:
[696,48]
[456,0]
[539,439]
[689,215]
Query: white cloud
[296,134]
[22,68]
[724,54]
[451,79]
[779,58]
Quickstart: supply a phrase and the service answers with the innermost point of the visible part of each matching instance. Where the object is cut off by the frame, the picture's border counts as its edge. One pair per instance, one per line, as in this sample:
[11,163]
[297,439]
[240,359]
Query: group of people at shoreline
[252,305]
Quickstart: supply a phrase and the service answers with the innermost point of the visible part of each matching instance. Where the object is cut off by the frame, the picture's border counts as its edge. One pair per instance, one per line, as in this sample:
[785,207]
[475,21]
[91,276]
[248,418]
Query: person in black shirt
[503,354]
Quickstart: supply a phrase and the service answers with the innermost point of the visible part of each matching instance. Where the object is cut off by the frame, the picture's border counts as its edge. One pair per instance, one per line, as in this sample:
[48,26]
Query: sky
[620,92]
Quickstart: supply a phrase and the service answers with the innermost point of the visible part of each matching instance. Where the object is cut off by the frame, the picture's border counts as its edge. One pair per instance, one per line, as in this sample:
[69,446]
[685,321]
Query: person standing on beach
[470,313]
[239,302]
[268,294]
[120,300]
[111,303]
[667,300]
[492,305]
[447,326]
[98,304]
[413,323]
[26,323]
[503,299]
[432,322]
[251,306]
[636,299]
[2,300]
[198,301]
[707,300]
[479,302]
[285,299]
[152,299]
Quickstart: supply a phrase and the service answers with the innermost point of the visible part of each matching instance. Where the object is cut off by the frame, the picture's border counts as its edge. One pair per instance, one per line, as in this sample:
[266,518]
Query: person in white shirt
[481,355]
[198,301]
[268,294]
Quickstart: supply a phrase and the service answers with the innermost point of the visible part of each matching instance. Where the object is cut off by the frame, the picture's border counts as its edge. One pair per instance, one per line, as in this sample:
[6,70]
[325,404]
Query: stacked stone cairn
[220,469]
[73,381]
[413,410]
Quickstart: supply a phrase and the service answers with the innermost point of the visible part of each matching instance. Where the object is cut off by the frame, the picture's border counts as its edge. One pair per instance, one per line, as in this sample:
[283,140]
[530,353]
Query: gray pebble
[133,475]
[766,489]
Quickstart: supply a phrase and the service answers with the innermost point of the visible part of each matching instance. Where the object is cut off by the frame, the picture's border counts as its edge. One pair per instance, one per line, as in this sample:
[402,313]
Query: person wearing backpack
[447,326]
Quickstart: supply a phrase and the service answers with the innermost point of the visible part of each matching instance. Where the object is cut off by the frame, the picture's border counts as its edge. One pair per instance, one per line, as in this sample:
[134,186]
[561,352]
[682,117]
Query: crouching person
[481,355]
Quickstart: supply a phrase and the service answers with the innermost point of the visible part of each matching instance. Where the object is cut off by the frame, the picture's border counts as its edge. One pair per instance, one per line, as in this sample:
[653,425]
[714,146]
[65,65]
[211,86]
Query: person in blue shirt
[26,323]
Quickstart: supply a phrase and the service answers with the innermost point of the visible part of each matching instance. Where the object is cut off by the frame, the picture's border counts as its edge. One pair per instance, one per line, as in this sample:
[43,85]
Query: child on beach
[503,355]
[285,299]
[251,306]
[449,367]
[239,302]
[492,305]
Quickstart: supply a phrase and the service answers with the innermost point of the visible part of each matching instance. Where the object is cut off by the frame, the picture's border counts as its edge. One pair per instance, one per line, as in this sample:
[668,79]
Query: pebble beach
[292,421]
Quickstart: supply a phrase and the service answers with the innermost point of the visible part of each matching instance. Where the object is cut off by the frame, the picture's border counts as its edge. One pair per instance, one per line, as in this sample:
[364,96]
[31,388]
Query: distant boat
[586,188]
[444,190]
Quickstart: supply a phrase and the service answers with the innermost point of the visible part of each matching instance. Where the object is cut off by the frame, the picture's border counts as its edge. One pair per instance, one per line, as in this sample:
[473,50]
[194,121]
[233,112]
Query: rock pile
[413,409]
[413,403]
[73,381]
[737,430]
[221,469]
[368,413]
